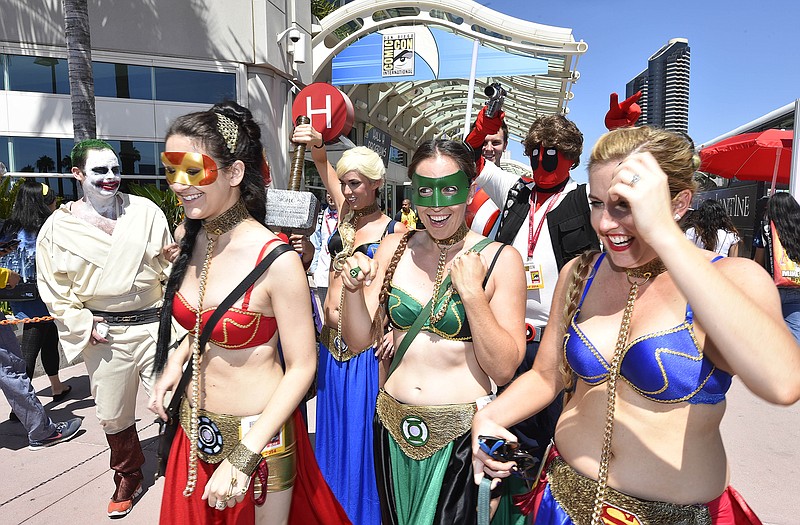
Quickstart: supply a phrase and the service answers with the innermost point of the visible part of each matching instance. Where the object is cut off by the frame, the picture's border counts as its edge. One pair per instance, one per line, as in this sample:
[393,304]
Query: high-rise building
[665,87]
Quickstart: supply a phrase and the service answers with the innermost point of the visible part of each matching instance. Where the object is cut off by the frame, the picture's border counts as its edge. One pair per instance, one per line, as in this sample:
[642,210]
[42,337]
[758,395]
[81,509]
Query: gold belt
[217,433]
[340,352]
[421,431]
[575,493]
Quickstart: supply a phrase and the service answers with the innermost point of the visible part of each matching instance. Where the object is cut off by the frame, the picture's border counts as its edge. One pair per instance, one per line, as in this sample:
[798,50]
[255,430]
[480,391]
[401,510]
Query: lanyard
[533,237]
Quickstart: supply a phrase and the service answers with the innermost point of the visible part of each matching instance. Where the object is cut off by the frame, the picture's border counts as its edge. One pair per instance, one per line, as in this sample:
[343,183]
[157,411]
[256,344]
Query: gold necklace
[363,212]
[651,268]
[444,246]
[194,424]
[646,272]
[227,220]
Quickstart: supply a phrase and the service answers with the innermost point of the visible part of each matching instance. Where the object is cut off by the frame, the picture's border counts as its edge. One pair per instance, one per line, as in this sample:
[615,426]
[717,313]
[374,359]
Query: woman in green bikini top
[472,334]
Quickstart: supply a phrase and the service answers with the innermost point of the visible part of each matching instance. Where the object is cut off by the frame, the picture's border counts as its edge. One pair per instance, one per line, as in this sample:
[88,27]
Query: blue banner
[400,54]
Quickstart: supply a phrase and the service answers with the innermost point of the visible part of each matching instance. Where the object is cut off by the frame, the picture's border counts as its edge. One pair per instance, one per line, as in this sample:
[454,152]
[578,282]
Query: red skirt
[313,502]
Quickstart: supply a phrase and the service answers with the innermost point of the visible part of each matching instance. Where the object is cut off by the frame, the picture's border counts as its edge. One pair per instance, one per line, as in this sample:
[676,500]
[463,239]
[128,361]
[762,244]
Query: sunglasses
[505,451]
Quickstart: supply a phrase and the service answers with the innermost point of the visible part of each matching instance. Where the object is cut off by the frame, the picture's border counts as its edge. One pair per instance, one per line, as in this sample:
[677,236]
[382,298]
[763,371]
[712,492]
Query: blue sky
[745,56]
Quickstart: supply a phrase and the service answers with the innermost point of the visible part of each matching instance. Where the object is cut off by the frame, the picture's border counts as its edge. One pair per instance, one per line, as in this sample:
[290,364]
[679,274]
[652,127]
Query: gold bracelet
[244,459]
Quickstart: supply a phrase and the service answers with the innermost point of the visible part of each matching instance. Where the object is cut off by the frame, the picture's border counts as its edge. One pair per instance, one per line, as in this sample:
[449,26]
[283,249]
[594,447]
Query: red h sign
[330,110]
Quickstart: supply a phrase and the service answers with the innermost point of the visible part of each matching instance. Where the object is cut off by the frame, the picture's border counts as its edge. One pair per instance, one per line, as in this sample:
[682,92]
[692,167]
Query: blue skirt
[346,394]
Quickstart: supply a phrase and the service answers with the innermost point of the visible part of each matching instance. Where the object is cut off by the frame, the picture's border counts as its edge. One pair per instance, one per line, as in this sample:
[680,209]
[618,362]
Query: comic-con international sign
[398,55]
[409,53]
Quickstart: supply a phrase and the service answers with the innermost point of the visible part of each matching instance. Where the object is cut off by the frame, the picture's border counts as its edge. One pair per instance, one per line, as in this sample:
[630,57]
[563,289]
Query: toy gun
[496,94]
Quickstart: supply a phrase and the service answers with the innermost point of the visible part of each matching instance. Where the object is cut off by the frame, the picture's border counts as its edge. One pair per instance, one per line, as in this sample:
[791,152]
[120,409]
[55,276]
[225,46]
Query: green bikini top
[402,310]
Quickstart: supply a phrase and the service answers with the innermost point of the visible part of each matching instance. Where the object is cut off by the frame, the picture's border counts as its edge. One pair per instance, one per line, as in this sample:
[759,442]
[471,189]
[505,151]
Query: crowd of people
[525,348]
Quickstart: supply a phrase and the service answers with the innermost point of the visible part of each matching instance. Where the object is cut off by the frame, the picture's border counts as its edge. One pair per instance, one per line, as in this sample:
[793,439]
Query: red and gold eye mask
[189,168]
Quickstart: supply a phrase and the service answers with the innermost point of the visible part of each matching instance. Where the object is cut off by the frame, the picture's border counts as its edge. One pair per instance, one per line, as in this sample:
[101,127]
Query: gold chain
[611,392]
[436,315]
[194,432]
[444,246]
[338,341]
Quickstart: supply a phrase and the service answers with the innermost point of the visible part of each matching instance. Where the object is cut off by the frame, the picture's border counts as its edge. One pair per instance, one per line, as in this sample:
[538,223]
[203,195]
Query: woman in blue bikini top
[645,338]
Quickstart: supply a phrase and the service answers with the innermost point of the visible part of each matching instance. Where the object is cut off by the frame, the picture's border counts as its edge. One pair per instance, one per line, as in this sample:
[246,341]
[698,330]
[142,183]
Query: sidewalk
[72,481]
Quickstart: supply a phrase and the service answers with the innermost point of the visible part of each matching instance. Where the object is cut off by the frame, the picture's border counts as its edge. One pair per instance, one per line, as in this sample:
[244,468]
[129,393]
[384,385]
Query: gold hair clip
[229,131]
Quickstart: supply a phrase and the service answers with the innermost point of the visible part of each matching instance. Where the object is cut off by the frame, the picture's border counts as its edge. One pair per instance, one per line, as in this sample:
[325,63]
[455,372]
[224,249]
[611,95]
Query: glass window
[183,85]
[38,155]
[38,74]
[136,157]
[122,81]
[4,154]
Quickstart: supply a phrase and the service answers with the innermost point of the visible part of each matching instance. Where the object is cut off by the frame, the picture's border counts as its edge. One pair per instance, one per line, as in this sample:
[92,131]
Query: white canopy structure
[415,111]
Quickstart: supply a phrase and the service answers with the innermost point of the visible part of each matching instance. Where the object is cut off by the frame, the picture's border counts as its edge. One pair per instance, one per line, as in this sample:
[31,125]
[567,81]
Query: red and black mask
[550,167]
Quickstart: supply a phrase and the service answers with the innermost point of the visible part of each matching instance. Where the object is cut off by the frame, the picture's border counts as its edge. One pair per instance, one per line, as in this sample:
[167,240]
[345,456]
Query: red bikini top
[238,329]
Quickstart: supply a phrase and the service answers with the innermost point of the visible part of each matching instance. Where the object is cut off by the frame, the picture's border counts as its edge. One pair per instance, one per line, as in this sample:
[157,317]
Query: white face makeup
[101,174]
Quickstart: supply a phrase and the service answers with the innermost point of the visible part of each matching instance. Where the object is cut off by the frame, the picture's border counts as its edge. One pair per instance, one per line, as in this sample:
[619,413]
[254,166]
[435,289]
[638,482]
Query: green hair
[81,150]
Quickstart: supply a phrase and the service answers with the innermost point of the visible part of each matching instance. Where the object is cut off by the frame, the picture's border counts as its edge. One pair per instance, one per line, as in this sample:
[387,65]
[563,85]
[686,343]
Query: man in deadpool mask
[546,219]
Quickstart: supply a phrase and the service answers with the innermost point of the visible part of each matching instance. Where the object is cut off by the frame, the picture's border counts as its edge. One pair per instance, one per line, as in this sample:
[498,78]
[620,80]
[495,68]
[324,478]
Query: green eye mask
[439,192]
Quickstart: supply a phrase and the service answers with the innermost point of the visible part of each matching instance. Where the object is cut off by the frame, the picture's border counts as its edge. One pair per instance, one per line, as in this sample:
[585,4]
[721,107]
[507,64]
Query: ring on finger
[636,178]
[355,271]
[221,505]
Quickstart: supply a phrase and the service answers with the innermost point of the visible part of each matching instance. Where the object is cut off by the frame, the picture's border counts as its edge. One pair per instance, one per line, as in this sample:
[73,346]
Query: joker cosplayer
[101,274]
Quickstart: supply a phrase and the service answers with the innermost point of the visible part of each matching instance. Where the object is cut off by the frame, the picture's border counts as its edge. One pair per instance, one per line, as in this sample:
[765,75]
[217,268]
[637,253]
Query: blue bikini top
[665,366]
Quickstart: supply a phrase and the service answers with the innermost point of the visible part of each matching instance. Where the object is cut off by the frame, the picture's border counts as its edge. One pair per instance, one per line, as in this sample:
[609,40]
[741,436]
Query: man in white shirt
[547,220]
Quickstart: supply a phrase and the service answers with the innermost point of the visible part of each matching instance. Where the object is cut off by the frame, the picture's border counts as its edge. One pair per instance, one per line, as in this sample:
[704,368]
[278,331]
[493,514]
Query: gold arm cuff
[575,493]
[244,459]
[421,431]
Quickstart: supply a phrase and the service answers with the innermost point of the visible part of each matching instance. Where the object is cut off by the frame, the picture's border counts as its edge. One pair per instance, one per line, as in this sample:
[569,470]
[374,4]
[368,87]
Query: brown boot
[127,459]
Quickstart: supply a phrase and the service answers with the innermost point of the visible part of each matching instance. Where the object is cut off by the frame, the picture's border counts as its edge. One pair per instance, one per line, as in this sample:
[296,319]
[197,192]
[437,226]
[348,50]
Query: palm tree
[81,78]
[45,163]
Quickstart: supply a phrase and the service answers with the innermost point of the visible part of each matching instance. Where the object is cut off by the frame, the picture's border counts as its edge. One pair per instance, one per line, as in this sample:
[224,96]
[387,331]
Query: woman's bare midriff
[238,382]
[436,371]
[660,452]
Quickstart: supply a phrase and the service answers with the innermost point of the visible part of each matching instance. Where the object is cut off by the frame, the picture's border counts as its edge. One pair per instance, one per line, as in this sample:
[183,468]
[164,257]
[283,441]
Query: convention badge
[484,400]
[534,277]
[437,192]
[275,445]
[189,168]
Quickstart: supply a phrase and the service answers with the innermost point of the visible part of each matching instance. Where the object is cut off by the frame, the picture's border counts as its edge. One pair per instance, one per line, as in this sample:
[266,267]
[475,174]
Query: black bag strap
[223,307]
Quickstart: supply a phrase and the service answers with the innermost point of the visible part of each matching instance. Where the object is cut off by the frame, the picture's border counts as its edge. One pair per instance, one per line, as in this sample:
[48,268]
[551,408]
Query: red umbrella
[763,156]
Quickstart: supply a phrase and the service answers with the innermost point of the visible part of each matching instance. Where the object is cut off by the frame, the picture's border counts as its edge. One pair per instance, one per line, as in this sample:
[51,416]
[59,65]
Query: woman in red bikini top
[241,405]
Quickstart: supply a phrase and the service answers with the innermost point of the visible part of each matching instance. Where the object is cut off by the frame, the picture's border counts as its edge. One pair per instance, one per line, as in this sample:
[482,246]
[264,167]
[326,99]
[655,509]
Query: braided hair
[204,126]
[378,320]
[580,272]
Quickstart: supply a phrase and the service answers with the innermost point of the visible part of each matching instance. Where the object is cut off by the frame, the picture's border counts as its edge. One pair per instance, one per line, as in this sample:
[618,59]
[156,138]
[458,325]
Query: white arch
[411,106]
